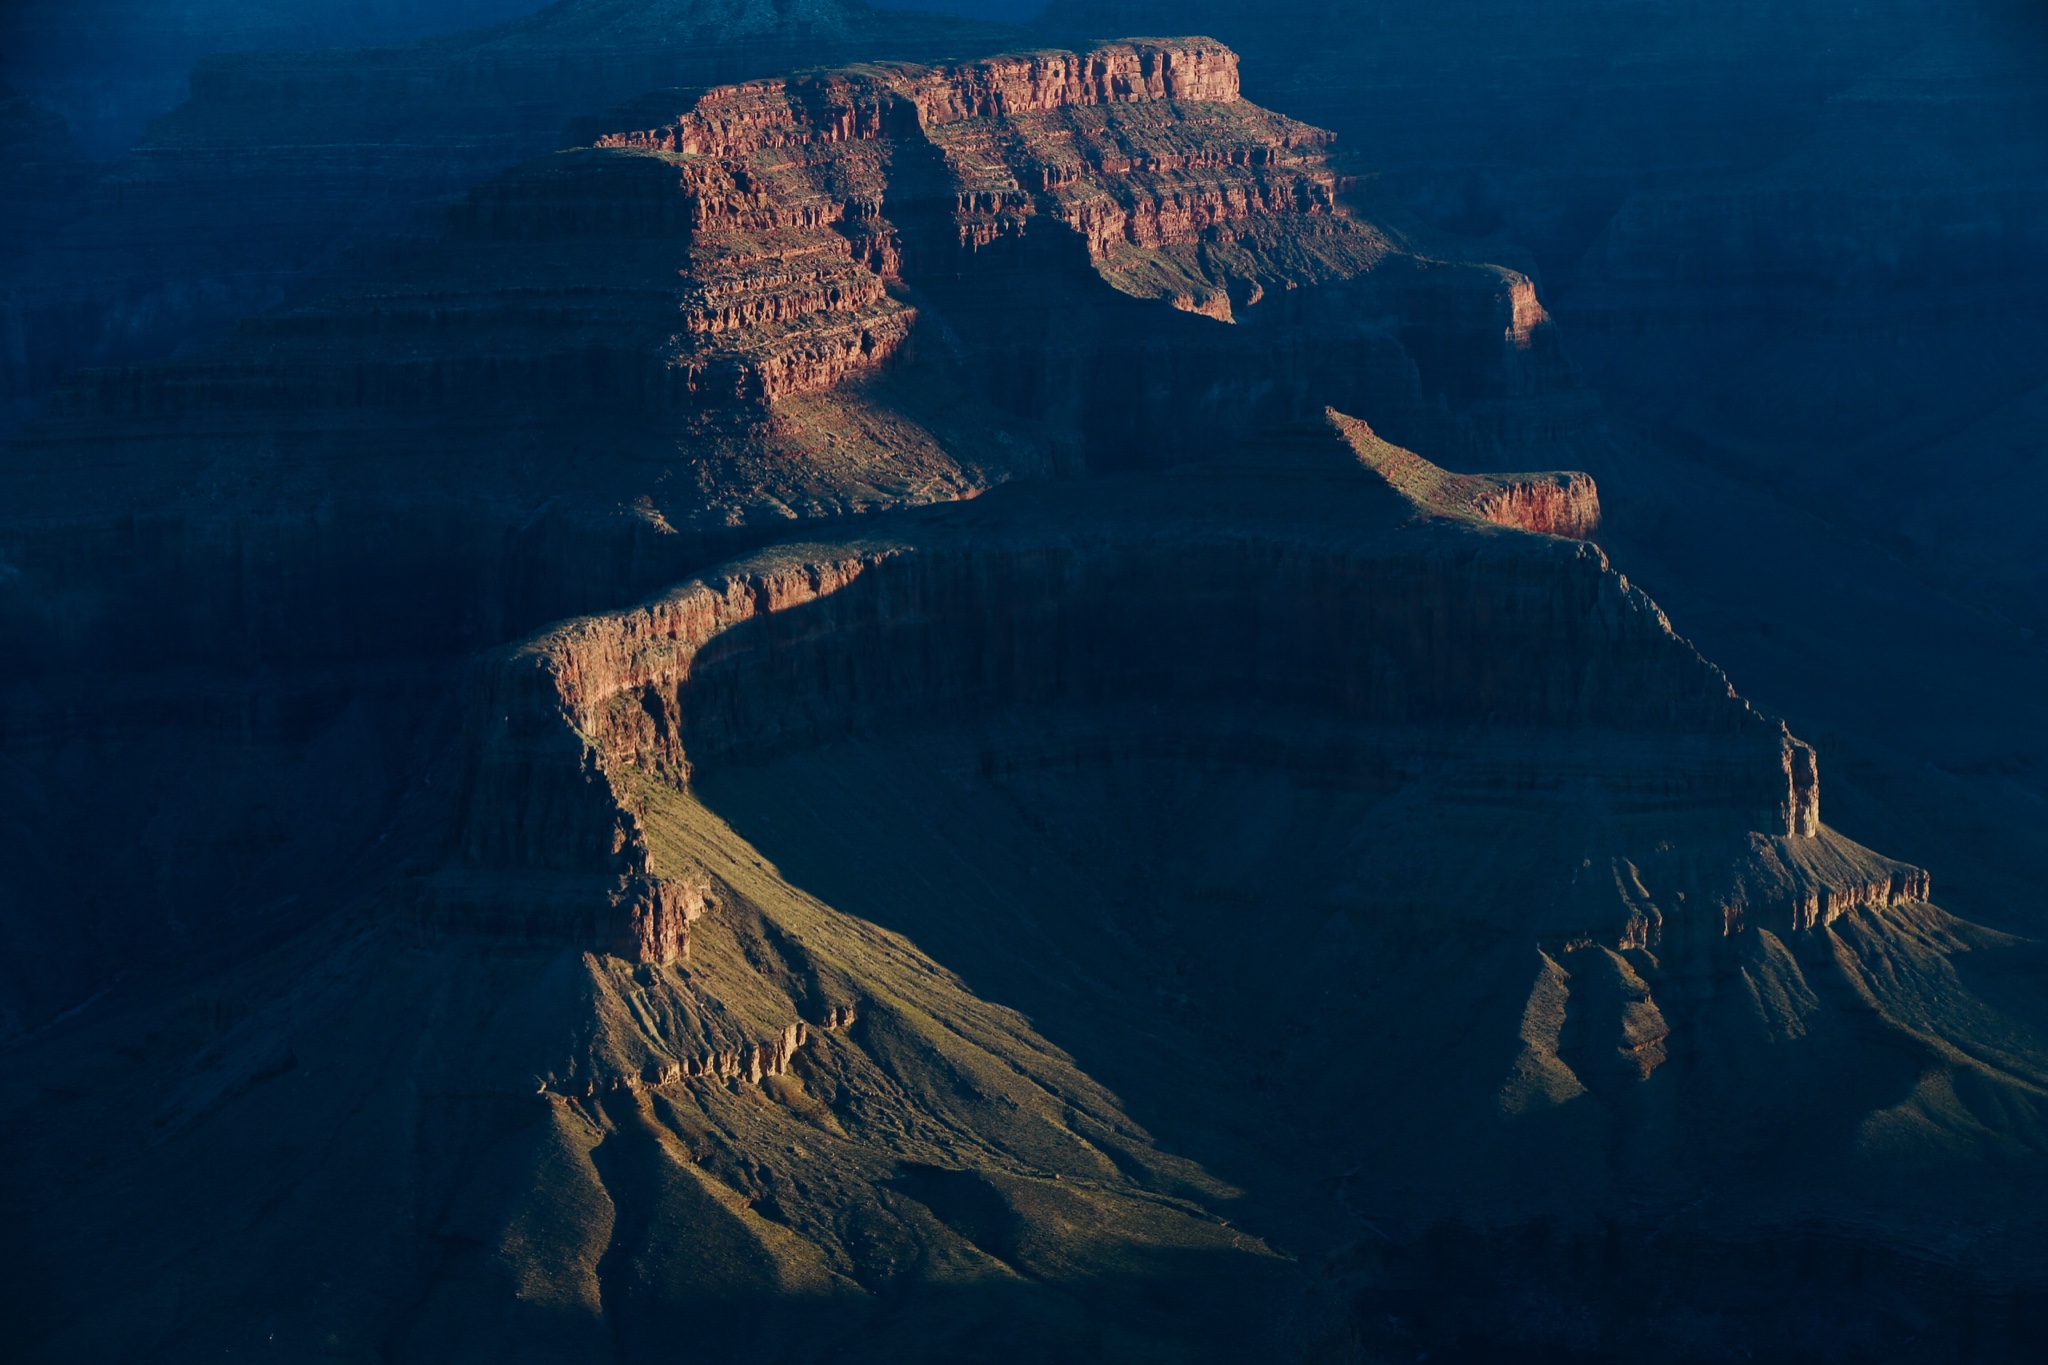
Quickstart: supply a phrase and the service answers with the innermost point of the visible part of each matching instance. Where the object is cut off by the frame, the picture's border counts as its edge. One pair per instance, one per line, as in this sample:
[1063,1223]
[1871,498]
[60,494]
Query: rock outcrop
[1555,504]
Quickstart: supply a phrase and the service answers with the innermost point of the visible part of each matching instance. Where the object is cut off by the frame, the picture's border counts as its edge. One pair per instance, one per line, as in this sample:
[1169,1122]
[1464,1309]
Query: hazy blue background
[110,66]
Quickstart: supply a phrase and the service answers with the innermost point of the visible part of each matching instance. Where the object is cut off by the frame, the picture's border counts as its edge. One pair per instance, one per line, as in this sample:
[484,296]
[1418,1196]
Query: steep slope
[806,1141]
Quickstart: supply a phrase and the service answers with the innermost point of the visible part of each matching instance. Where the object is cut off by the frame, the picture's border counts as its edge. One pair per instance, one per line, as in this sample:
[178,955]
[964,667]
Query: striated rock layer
[281,165]
[778,237]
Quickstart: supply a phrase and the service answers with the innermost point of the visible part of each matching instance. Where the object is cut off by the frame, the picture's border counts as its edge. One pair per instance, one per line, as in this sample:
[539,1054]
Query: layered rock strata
[1400,634]
[761,245]
[282,165]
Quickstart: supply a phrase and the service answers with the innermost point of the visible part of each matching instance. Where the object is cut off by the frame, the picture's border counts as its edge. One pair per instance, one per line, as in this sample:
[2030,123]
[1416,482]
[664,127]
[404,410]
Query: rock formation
[1124,747]
[1084,848]
[283,167]
[1557,504]
[622,362]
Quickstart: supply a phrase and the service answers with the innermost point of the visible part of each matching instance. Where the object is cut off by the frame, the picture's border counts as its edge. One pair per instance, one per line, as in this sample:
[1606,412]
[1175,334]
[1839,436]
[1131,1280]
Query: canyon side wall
[111,66]
[1405,644]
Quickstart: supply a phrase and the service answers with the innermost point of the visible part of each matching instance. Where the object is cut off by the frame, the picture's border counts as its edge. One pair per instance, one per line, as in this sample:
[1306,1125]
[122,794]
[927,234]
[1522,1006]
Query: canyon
[873,701]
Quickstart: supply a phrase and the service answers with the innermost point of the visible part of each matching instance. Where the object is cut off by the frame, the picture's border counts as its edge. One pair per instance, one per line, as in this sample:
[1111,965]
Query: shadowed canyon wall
[110,66]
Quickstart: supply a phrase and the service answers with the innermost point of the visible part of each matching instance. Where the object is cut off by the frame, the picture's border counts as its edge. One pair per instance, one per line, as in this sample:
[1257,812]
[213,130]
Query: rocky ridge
[564,729]
[1558,504]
